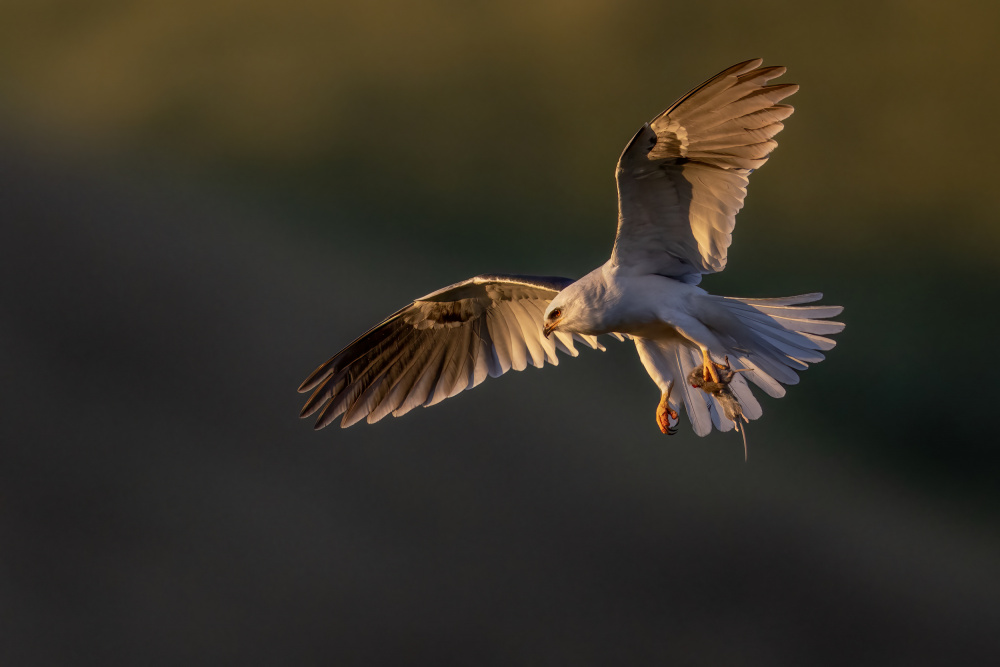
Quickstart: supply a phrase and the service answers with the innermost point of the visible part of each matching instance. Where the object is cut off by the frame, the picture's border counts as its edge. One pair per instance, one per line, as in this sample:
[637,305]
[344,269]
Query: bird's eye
[555,313]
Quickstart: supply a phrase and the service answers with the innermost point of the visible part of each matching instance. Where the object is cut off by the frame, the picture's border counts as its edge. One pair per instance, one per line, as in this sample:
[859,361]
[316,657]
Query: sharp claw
[665,426]
[664,413]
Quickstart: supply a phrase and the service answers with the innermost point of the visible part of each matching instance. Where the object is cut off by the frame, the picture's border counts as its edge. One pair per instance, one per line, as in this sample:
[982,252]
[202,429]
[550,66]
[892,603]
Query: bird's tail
[774,338]
[770,338]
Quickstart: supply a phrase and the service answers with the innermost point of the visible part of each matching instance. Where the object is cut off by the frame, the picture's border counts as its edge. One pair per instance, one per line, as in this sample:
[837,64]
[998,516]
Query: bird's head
[567,312]
[581,308]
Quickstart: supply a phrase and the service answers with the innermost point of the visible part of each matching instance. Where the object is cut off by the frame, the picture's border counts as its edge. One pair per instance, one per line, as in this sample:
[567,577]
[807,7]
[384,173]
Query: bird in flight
[681,181]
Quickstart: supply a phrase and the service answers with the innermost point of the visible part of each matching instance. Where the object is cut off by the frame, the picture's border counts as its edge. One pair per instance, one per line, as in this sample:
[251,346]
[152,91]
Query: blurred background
[201,201]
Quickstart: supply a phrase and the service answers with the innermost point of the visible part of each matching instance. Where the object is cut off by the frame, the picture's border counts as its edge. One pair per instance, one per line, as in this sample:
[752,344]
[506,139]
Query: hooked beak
[550,327]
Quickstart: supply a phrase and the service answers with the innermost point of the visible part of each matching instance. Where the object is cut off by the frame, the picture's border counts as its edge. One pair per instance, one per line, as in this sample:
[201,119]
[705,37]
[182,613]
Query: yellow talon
[664,414]
[709,367]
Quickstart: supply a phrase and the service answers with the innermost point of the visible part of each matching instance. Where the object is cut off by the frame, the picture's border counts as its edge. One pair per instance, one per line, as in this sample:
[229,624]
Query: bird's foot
[709,371]
[664,414]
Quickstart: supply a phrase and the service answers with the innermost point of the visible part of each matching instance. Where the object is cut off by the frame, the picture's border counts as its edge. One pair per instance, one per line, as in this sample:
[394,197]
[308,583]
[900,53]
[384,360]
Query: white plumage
[681,181]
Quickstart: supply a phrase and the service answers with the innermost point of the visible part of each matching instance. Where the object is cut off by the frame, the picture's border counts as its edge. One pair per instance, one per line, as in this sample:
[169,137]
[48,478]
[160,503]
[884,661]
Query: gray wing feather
[438,346]
[564,343]
[683,177]
[500,336]
[528,323]
[518,349]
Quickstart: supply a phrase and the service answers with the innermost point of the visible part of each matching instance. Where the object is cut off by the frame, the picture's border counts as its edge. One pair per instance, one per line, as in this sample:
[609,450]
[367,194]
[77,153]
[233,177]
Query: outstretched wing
[437,346]
[683,177]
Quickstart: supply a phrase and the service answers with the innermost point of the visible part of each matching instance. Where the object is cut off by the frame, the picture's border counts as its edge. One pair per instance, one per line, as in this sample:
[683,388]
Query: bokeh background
[203,200]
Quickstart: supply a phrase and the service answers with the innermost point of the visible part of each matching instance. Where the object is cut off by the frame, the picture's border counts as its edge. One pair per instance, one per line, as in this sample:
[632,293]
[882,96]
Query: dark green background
[203,200]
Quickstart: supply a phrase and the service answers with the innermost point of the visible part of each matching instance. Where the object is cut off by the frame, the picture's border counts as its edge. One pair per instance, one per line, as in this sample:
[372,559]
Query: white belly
[652,306]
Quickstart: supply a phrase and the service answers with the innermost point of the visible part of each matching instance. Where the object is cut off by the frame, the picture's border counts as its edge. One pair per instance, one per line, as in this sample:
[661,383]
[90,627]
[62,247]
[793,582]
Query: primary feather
[439,345]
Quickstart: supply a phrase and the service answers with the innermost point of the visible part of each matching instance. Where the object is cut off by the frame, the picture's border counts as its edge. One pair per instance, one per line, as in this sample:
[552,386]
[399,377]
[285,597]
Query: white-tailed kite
[681,181]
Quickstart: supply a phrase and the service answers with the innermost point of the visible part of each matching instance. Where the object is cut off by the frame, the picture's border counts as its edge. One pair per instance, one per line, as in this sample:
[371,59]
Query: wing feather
[449,374]
[536,309]
[423,390]
[402,389]
[527,324]
[564,343]
[518,348]
[483,354]
[683,177]
[397,390]
[497,326]
[438,346]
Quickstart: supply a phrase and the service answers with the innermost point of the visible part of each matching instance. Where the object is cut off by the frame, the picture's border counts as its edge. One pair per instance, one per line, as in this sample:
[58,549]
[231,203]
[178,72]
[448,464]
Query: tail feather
[760,378]
[793,351]
[784,323]
[791,343]
[779,300]
[771,339]
[779,336]
[695,403]
[810,326]
[764,357]
[813,312]
[751,408]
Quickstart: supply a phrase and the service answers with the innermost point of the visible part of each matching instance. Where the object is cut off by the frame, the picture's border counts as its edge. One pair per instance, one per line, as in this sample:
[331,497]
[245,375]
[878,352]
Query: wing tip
[310,382]
[745,66]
